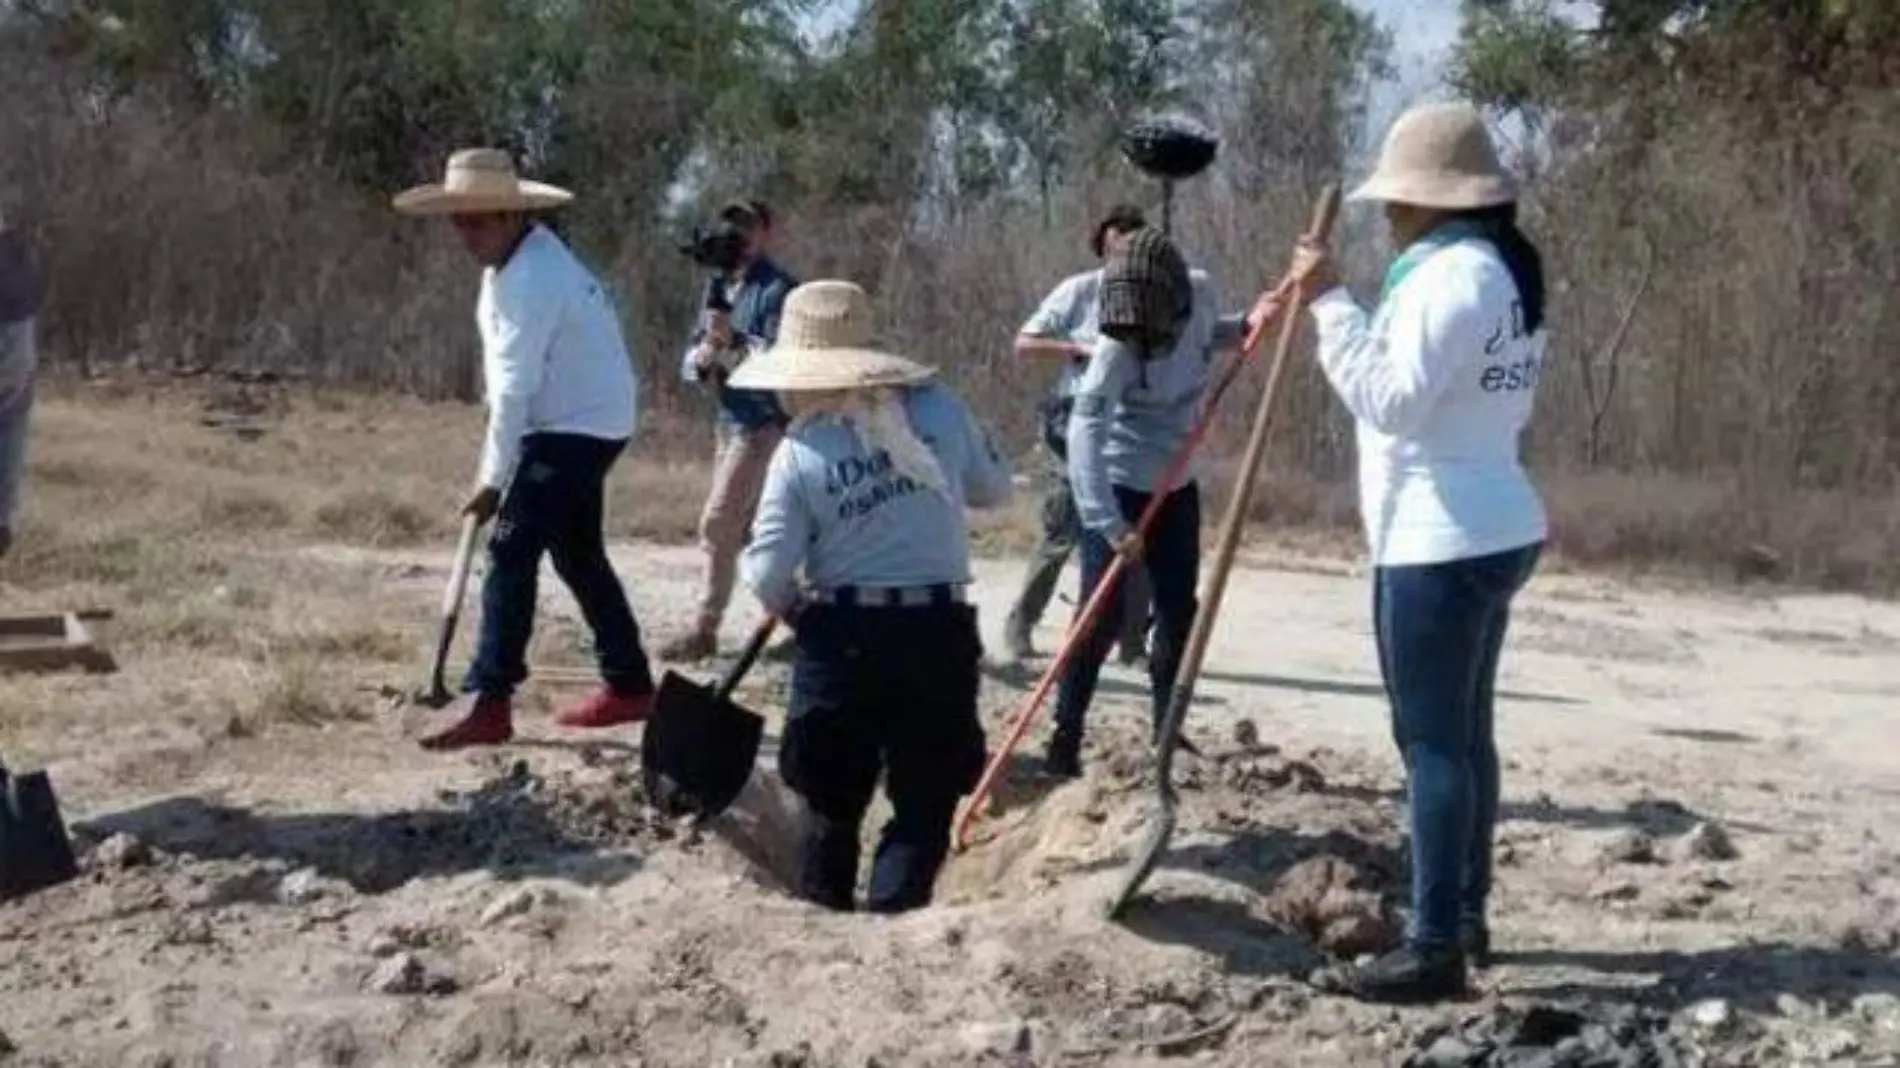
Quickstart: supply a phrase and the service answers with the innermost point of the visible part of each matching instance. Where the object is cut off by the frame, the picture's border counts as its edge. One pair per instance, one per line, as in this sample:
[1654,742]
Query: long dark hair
[1521,257]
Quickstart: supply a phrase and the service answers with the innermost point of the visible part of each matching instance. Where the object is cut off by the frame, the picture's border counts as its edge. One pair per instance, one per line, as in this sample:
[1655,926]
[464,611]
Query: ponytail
[1520,257]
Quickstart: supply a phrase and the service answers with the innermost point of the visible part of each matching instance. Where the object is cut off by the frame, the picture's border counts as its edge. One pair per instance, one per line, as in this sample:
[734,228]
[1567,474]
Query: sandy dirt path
[338,898]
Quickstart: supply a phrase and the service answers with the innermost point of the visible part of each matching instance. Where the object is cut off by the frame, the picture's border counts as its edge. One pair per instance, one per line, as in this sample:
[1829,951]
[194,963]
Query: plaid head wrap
[1146,293]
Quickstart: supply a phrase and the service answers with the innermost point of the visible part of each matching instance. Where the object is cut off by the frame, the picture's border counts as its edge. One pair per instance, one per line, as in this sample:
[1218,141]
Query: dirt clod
[121,851]
[1330,901]
[405,973]
[1629,846]
[1547,1035]
[1708,841]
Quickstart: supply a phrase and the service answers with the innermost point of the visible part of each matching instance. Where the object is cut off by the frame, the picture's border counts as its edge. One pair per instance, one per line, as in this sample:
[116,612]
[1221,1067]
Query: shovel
[698,749]
[35,852]
[1162,827]
[437,694]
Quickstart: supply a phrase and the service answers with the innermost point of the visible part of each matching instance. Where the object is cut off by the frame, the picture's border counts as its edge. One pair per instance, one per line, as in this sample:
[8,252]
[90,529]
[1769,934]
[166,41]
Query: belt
[940,593]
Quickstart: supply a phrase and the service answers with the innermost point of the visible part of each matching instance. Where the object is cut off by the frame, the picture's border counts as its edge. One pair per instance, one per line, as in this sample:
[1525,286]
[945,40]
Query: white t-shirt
[1441,380]
[553,359]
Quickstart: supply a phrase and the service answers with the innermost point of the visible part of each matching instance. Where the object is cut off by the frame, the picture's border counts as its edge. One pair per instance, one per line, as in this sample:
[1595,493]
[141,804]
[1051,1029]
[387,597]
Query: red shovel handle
[1110,580]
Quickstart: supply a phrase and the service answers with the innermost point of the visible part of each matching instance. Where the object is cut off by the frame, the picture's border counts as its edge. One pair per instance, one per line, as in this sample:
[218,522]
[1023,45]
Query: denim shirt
[756,304]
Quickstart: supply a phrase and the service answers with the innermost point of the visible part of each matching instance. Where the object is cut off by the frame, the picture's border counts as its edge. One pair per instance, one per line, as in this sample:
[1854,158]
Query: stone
[1629,846]
[1878,1009]
[1246,735]
[509,903]
[384,945]
[405,973]
[993,1039]
[1712,1014]
[1792,1007]
[1611,891]
[122,851]
[301,887]
[1709,841]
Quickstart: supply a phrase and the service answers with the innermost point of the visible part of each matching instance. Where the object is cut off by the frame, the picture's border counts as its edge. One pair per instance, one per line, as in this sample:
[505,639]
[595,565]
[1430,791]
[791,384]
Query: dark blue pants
[891,691]
[554,506]
[1440,629]
[1172,559]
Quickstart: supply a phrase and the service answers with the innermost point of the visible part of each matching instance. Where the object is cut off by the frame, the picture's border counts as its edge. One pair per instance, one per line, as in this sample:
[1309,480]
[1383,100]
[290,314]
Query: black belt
[941,593]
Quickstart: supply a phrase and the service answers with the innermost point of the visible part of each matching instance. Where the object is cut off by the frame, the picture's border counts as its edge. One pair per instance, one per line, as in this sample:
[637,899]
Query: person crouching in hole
[866,493]
[1440,379]
[1135,405]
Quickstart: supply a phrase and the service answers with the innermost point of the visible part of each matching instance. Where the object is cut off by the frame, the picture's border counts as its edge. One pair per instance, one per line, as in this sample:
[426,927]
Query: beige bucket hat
[1439,156]
[480,180]
[823,344]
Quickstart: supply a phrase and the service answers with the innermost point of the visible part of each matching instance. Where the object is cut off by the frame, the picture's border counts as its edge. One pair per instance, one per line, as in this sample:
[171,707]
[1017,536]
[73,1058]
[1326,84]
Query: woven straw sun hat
[824,337]
[480,180]
[1439,156]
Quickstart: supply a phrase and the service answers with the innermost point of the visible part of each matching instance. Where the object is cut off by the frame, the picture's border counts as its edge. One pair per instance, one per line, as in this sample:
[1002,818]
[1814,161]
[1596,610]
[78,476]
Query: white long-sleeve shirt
[1441,381]
[553,358]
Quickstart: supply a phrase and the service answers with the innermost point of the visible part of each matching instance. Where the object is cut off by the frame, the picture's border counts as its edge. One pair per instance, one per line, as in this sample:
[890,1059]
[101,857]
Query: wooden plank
[50,643]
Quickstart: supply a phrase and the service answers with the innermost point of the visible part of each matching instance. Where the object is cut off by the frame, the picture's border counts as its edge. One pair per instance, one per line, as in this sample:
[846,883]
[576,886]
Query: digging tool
[1171,148]
[698,749]
[35,852]
[1162,827]
[1107,586]
[437,694]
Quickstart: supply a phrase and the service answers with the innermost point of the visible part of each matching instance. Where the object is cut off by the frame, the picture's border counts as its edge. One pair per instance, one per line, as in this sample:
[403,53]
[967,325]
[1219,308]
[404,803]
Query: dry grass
[225,625]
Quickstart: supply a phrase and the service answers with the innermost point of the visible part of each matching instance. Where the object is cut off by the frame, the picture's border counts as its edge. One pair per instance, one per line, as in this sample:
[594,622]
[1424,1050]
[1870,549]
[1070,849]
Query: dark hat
[1146,292]
[747,212]
[1120,219]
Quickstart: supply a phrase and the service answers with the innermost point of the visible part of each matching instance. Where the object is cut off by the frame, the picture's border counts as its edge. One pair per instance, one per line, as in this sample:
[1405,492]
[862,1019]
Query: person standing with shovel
[866,494]
[1440,378]
[561,400]
[1135,405]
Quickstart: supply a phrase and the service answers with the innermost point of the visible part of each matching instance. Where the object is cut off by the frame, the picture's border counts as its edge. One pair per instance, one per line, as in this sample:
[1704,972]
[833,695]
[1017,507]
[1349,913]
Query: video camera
[719,245]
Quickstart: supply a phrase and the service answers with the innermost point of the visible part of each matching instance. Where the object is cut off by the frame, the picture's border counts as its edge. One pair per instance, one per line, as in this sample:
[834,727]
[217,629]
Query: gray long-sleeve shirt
[850,519]
[18,363]
[1132,415]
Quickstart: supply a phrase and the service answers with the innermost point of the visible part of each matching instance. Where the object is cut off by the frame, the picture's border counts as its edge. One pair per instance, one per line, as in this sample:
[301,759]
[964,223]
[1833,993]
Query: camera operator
[743,297]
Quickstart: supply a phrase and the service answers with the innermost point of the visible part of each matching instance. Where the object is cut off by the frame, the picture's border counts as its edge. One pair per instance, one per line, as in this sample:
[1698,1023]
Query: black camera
[718,245]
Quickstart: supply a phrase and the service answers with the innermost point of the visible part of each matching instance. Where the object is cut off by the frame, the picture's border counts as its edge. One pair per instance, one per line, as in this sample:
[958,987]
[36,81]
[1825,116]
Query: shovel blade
[1142,864]
[35,852]
[697,751]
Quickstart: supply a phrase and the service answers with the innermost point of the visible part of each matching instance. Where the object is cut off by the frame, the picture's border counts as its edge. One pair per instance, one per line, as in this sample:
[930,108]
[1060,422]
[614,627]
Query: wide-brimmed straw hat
[480,180]
[824,343]
[1439,156]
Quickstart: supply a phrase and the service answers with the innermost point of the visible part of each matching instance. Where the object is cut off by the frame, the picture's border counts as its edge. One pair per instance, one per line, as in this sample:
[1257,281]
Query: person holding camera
[1063,328]
[743,299]
[20,293]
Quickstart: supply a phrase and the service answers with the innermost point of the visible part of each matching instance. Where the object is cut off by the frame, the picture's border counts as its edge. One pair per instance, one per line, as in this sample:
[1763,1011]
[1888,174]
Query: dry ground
[268,859]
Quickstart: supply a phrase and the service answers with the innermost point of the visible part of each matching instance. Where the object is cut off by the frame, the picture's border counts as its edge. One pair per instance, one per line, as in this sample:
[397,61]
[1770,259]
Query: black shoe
[1402,977]
[1476,940]
[1064,757]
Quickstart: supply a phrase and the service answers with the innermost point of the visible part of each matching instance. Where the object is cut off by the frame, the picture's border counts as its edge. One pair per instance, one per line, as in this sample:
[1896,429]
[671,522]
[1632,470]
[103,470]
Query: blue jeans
[1172,559]
[890,691]
[1440,629]
[555,506]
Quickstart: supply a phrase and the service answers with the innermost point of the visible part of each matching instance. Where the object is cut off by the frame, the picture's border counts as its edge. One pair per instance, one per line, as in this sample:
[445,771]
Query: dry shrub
[306,691]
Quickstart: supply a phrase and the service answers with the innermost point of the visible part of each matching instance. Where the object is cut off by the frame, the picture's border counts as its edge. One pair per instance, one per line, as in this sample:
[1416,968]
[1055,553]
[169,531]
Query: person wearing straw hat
[866,493]
[1440,378]
[1135,405]
[561,400]
[20,293]
[1062,329]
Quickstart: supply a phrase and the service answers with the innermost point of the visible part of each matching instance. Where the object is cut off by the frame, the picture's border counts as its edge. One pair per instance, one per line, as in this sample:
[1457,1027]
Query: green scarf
[1438,237]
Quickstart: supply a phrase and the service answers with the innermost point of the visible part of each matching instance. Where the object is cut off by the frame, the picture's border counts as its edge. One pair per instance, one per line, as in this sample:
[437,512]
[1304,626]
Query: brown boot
[472,721]
[688,648]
